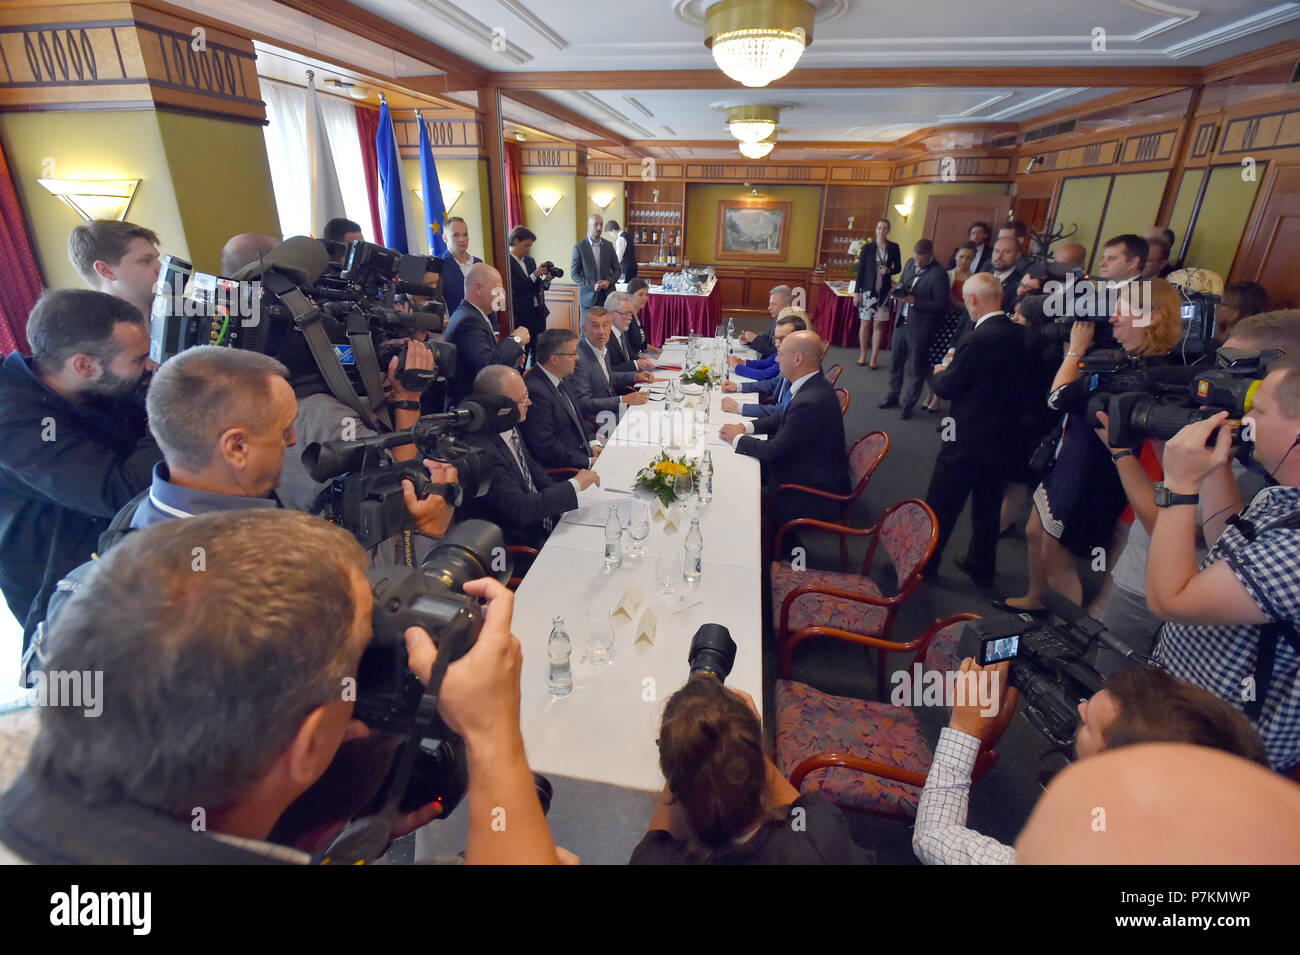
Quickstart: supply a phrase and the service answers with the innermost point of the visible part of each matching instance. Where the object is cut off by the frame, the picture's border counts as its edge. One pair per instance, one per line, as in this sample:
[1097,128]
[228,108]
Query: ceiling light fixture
[752,124]
[757,41]
[758,150]
[355,90]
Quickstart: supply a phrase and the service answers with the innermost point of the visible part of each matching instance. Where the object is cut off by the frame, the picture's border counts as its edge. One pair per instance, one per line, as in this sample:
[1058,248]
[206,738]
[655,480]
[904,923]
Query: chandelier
[752,124]
[758,150]
[757,41]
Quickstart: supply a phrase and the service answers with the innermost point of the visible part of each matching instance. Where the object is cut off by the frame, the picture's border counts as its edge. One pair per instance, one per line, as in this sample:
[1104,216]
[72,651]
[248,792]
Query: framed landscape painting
[753,229]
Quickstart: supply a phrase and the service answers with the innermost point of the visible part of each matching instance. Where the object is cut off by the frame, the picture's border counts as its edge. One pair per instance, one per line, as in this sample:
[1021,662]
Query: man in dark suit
[1006,255]
[773,392]
[594,268]
[778,300]
[456,263]
[524,501]
[528,285]
[979,234]
[625,354]
[805,443]
[924,287]
[555,433]
[985,382]
[595,383]
[474,334]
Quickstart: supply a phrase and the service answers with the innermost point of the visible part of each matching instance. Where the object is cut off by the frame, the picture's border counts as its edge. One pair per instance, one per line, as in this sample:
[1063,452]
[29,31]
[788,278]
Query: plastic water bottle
[731,332]
[706,477]
[693,566]
[559,650]
[613,539]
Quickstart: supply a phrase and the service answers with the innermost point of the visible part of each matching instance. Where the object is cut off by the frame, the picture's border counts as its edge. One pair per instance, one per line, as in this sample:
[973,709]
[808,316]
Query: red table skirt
[666,315]
[836,320]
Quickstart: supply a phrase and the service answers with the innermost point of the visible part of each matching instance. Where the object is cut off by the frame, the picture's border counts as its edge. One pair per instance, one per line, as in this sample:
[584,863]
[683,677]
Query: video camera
[1047,661]
[1169,399]
[365,492]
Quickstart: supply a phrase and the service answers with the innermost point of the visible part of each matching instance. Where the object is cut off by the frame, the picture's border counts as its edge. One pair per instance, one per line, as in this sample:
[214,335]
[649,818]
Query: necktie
[783,393]
[523,462]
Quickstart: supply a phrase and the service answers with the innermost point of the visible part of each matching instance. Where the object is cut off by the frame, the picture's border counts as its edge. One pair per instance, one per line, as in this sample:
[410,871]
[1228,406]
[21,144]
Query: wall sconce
[546,200]
[904,209]
[94,198]
[450,196]
[602,200]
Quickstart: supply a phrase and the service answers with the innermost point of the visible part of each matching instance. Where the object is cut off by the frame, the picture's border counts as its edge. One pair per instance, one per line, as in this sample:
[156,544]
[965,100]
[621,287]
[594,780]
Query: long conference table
[597,745]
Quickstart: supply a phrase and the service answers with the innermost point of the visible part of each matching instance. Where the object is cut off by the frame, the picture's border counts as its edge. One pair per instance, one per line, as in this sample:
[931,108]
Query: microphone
[300,257]
[488,414]
[1077,619]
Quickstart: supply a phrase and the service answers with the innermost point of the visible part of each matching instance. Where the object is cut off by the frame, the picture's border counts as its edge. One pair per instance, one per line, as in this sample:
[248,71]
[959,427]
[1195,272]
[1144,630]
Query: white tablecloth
[605,730]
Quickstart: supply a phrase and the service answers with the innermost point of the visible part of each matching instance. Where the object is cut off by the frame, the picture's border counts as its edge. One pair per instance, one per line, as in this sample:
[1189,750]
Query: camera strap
[1269,633]
[307,318]
[363,350]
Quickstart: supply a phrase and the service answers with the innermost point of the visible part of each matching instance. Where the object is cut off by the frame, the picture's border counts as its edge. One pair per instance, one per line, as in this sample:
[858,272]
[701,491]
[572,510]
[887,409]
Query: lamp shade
[757,41]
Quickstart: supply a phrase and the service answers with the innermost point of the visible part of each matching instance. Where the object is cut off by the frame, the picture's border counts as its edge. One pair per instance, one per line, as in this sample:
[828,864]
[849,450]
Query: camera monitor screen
[998,649]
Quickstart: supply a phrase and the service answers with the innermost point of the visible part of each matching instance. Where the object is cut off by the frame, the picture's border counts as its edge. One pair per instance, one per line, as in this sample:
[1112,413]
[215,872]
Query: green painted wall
[222,182]
[1183,203]
[1083,203]
[702,222]
[118,144]
[616,210]
[1134,204]
[906,233]
[558,232]
[469,176]
[1224,211]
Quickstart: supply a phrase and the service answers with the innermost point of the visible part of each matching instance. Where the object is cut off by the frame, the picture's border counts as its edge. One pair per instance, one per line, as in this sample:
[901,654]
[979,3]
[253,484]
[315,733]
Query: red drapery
[20,279]
[514,195]
[367,128]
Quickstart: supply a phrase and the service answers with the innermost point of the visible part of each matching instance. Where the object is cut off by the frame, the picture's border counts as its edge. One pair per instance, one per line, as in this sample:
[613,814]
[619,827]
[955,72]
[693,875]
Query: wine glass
[600,639]
[684,487]
[638,527]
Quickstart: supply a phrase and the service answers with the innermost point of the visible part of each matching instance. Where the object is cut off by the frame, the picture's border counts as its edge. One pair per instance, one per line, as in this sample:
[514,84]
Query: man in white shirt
[554,430]
[456,263]
[594,267]
[622,310]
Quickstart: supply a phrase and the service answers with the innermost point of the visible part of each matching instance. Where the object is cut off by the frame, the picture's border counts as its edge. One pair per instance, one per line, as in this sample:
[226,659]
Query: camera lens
[712,651]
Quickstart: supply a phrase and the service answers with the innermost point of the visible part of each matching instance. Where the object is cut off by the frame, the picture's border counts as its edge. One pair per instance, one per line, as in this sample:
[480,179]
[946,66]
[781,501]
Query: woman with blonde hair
[1081,498]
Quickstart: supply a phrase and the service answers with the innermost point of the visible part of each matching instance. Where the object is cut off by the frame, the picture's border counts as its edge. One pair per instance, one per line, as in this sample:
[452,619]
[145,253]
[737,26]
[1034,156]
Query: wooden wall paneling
[1267,248]
[948,219]
[562,300]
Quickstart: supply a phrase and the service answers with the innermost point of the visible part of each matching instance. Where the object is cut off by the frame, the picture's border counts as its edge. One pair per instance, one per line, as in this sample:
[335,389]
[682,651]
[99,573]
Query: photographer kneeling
[197,742]
[725,802]
[1232,622]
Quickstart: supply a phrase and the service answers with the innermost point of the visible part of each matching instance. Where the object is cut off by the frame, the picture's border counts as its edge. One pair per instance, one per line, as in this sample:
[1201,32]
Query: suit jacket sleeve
[479,349]
[787,434]
[962,372]
[932,291]
[509,501]
[590,404]
[895,257]
[861,277]
[612,274]
[542,428]
[576,271]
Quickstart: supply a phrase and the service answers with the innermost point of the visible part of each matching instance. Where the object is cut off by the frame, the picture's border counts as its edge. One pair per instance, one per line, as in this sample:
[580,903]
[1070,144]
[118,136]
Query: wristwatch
[517,339]
[1167,498]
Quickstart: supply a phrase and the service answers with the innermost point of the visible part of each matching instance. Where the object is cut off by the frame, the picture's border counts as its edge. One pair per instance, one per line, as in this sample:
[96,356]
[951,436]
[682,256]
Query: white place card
[646,628]
[629,605]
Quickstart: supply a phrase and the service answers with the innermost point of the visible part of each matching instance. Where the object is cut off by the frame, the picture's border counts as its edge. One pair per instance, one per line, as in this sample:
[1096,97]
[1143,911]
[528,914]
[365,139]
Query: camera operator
[725,802]
[74,445]
[1081,498]
[1232,623]
[167,774]
[528,285]
[244,249]
[1138,705]
[118,258]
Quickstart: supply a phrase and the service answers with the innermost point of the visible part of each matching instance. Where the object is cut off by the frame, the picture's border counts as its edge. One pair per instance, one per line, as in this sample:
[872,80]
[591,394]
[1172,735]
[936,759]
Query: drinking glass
[684,488]
[668,571]
[600,639]
[638,526]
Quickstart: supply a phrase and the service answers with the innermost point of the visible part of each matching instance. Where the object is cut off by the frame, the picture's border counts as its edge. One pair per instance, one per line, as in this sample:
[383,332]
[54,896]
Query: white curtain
[286,148]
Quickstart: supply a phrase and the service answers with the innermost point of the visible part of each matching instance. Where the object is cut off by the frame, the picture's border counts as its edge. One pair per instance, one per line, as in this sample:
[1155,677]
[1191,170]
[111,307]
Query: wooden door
[948,220]
[1267,252]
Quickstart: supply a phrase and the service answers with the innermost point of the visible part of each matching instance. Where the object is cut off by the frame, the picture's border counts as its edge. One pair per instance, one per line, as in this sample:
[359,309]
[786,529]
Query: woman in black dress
[880,261]
[955,321]
[1081,498]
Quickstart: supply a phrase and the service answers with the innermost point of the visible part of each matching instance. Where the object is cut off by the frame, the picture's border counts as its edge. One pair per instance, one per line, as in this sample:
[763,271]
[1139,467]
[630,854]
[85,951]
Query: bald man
[805,443]
[1164,804]
[245,249]
[1072,254]
[474,333]
[986,384]
[523,500]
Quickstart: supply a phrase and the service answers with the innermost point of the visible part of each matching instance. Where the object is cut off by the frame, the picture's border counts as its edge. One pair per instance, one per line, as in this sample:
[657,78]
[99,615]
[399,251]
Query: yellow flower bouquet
[659,475]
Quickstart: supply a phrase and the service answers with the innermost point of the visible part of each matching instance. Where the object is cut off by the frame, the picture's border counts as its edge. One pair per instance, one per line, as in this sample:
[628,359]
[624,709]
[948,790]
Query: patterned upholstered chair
[845,398]
[833,373]
[864,457]
[852,604]
[863,754]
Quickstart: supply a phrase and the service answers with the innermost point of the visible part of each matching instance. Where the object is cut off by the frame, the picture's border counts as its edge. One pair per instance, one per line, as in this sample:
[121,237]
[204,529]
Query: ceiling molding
[536,23]
[551,108]
[1286,51]
[865,77]
[1264,20]
[492,37]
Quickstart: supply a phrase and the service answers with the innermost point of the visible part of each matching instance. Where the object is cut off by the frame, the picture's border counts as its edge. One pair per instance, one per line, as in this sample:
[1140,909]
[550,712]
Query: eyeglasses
[566,354]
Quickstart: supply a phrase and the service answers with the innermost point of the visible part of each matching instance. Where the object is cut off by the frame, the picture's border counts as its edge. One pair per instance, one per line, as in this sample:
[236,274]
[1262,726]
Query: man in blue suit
[456,263]
[474,334]
[805,443]
[594,266]
[554,430]
[773,391]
